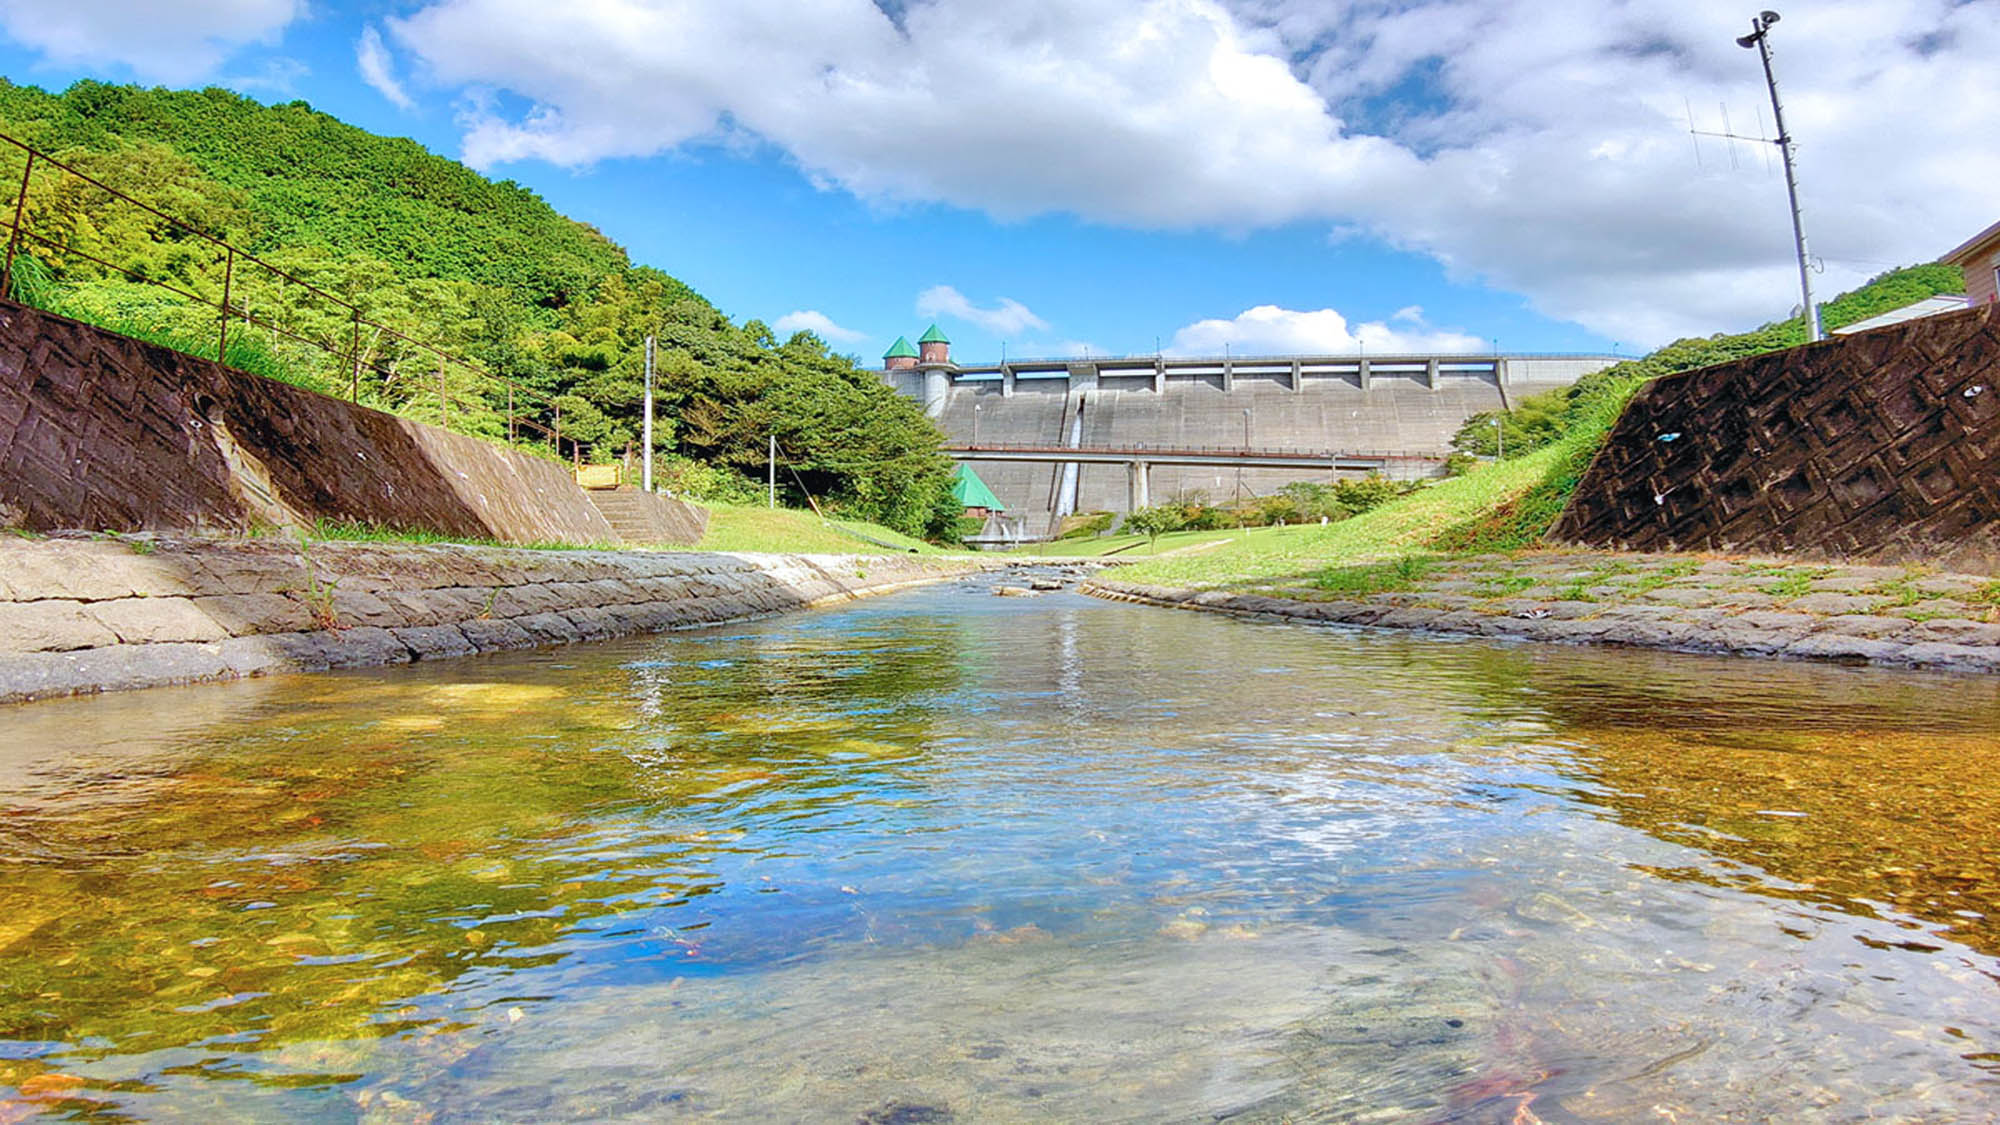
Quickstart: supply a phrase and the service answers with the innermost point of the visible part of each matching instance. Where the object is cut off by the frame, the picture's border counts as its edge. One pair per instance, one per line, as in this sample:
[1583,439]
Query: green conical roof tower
[971,492]
[934,336]
[901,349]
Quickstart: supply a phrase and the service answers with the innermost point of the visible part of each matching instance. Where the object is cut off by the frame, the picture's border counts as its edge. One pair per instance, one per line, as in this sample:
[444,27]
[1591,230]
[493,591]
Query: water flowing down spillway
[947,856]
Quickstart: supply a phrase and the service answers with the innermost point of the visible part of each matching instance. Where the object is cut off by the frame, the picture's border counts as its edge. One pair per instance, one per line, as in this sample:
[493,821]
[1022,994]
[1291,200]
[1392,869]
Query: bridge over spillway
[1058,436]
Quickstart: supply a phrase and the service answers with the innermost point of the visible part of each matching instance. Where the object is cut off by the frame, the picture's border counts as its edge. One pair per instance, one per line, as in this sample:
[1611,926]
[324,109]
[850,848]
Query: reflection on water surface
[945,855]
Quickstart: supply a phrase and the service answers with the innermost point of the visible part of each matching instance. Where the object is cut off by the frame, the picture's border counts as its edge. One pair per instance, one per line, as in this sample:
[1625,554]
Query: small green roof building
[936,346]
[900,355]
[971,492]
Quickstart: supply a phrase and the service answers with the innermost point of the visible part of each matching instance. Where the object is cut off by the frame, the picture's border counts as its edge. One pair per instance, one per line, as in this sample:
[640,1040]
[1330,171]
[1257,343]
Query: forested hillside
[434,250]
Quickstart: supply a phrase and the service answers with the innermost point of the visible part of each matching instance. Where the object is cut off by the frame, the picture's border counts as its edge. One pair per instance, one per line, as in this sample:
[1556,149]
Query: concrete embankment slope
[88,615]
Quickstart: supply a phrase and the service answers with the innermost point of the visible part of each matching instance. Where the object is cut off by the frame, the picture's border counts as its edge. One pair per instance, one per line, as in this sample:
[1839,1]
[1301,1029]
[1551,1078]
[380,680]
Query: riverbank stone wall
[81,615]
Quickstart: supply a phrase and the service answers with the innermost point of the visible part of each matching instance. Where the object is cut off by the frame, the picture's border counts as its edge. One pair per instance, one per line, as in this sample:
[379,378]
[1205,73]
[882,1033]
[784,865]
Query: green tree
[1156,521]
[436,257]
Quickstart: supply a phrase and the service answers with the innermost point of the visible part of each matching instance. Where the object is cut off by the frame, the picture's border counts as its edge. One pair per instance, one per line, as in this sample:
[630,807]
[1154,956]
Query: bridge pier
[1367,377]
[1006,381]
[1298,377]
[1137,490]
[1431,373]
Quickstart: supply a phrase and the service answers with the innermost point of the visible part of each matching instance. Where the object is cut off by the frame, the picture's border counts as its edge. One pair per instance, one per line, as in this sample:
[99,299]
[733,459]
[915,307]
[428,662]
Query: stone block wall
[1884,445]
[86,615]
[104,433]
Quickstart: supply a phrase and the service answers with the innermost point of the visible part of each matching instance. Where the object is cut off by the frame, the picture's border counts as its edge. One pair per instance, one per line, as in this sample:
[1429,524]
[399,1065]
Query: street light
[1760,38]
[975,424]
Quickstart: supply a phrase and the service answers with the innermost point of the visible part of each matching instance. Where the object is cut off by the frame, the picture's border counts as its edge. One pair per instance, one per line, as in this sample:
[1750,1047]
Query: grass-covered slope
[429,248]
[750,527]
[1512,504]
[1401,527]
[309,181]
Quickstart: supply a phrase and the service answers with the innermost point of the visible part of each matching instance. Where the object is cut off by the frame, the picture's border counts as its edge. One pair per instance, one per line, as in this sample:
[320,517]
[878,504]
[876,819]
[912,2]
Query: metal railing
[1143,449]
[232,309]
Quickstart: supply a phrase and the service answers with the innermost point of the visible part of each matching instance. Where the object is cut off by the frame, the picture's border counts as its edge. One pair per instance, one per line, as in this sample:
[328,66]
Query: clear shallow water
[948,856]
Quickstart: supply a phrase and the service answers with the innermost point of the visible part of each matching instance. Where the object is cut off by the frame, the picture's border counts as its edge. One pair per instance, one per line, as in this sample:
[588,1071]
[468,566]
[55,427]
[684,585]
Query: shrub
[1371,491]
[1207,517]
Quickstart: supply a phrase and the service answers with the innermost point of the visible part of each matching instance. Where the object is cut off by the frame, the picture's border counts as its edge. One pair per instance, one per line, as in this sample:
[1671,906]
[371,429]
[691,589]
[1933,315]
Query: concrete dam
[1054,437]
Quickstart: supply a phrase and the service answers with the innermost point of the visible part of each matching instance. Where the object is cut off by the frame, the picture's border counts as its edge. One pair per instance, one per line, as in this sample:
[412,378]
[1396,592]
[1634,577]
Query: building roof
[933,336]
[1964,253]
[1929,306]
[901,349]
[972,492]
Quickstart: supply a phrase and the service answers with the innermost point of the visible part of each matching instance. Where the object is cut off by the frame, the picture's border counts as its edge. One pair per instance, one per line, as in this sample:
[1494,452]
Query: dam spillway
[1397,412]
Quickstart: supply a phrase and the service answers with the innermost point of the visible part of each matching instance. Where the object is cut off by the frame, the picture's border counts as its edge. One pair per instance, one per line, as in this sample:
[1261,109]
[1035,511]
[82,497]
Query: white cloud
[1536,145]
[172,41]
[277,77]
[378,68]
[1270,330]
[1008,318]
[817,323]
[1413,314]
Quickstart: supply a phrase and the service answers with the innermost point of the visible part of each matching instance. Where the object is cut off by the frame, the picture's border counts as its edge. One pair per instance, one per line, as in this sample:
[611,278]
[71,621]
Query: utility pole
[646,473]
[1760,38]
[771,475]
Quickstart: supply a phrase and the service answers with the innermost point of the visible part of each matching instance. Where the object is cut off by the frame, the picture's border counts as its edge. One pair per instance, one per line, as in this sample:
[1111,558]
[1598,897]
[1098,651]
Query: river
[945,856]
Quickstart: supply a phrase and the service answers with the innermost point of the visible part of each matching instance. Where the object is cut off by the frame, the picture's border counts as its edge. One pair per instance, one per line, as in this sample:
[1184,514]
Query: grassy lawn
[730,528]
[1135,546]
[789,531]
[1402,528]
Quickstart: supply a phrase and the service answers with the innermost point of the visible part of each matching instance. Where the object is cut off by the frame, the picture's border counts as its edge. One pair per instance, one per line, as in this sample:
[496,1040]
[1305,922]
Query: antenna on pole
[1694,135]
[1760,38]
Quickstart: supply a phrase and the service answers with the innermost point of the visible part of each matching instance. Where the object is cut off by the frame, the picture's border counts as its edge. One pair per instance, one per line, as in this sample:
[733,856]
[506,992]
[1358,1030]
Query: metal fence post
[558,431]
[14,240]
[222,333]
[510,412]
[354,354]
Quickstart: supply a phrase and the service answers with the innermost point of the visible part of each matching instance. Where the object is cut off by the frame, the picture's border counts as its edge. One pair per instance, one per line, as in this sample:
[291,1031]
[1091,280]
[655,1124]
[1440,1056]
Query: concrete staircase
[641,518]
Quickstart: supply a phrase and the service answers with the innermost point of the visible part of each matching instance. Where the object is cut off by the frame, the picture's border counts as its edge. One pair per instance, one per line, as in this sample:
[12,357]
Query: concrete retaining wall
[104,433]
[86,615]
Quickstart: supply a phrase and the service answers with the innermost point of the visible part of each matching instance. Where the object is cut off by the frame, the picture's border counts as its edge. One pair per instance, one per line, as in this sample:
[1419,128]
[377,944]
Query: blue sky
[1121,175]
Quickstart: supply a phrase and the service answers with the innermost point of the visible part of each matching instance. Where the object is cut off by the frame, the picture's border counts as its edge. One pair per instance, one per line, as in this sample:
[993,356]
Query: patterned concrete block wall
[102,432]
[1883,445]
